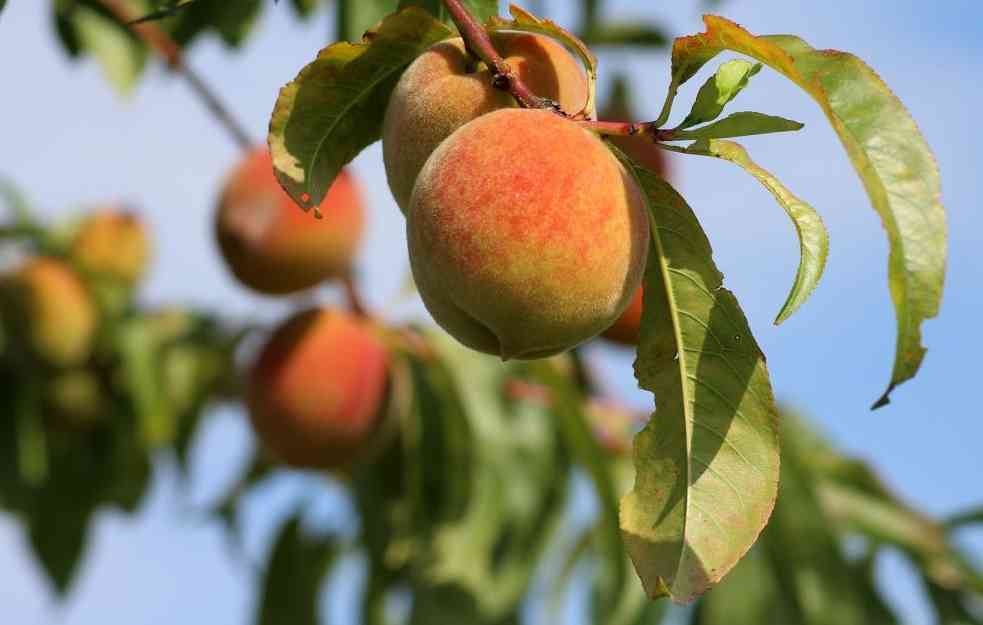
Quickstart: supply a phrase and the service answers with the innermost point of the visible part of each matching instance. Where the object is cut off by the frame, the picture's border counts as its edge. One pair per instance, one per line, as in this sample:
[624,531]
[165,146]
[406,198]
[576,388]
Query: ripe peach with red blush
[526,235]
[318,388]
[273,246]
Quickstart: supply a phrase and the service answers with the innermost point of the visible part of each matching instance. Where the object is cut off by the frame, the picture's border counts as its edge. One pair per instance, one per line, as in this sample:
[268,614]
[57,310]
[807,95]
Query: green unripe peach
[270,244]
[112,244]
[526,235]
[317,390]
[56,310]
[444,88]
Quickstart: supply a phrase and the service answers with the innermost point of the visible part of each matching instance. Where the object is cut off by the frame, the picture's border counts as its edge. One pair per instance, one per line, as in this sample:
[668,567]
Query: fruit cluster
[526,238]
[526,235]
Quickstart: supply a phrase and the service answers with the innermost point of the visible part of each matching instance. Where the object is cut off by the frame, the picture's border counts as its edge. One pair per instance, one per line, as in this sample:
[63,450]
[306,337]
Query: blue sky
[69,141]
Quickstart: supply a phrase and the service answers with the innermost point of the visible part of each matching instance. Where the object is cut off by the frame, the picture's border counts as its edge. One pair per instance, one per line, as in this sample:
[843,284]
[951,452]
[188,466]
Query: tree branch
[170,51]
[479,44]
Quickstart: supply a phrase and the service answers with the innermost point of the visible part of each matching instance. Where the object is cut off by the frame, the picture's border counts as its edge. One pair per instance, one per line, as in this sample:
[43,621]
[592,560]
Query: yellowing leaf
[335,106]
[887,150]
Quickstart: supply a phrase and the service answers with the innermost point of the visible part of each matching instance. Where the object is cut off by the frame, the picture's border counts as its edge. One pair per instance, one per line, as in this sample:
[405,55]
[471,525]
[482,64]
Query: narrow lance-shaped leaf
[525,21]
[728,81]
[707,462]
[886,148]
[294,576]
[741,124]
[576,430]
[335,106]
[813,238]
[818,583]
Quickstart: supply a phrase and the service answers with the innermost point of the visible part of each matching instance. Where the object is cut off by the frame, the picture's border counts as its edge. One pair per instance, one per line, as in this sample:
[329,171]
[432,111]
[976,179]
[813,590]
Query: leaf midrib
[681,359]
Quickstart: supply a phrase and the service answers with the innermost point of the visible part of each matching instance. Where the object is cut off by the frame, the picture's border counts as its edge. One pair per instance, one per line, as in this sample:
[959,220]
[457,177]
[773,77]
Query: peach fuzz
[444,88]
[526,235]
[317,389]
[274,247]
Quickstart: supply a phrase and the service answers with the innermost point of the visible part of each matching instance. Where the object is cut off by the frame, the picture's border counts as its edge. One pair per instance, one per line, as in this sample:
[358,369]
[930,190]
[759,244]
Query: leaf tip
[884,399]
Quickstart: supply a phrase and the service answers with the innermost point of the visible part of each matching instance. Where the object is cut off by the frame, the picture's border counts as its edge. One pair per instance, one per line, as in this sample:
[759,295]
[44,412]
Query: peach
[270,244]
[317,390]
[526,235]
[445,88]
[626,329]
[56,310]
[112,244]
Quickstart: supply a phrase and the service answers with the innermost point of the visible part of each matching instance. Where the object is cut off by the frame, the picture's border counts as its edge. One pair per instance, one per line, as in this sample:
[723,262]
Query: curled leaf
[813,237]
[886,148]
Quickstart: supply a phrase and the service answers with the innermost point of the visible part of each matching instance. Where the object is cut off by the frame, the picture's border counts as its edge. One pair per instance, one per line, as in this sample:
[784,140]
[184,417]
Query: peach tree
[534,224]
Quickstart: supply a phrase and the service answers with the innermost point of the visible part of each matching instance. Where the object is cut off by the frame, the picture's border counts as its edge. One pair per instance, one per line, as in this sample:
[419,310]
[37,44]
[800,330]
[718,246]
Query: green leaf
[32,443]
[625,35]
[568,407]
[809,567]
[304,8]
[520,476]
[707,462]
[741,124]
[444,445]
[58,532]
[14,201]
[748,596]
[482,9]
[972,516]
[443,605]
[354,17]
[886,148]
[121,55]
[294,576]
[139,350]
[813,237]
[167,10]
[888,520]
[525,21]
[951,607]
[335,106]
[233,21]
[729,80]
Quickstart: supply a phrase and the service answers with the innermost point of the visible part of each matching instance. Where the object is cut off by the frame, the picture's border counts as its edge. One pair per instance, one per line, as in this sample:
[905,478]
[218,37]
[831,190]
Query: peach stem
[479,45]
